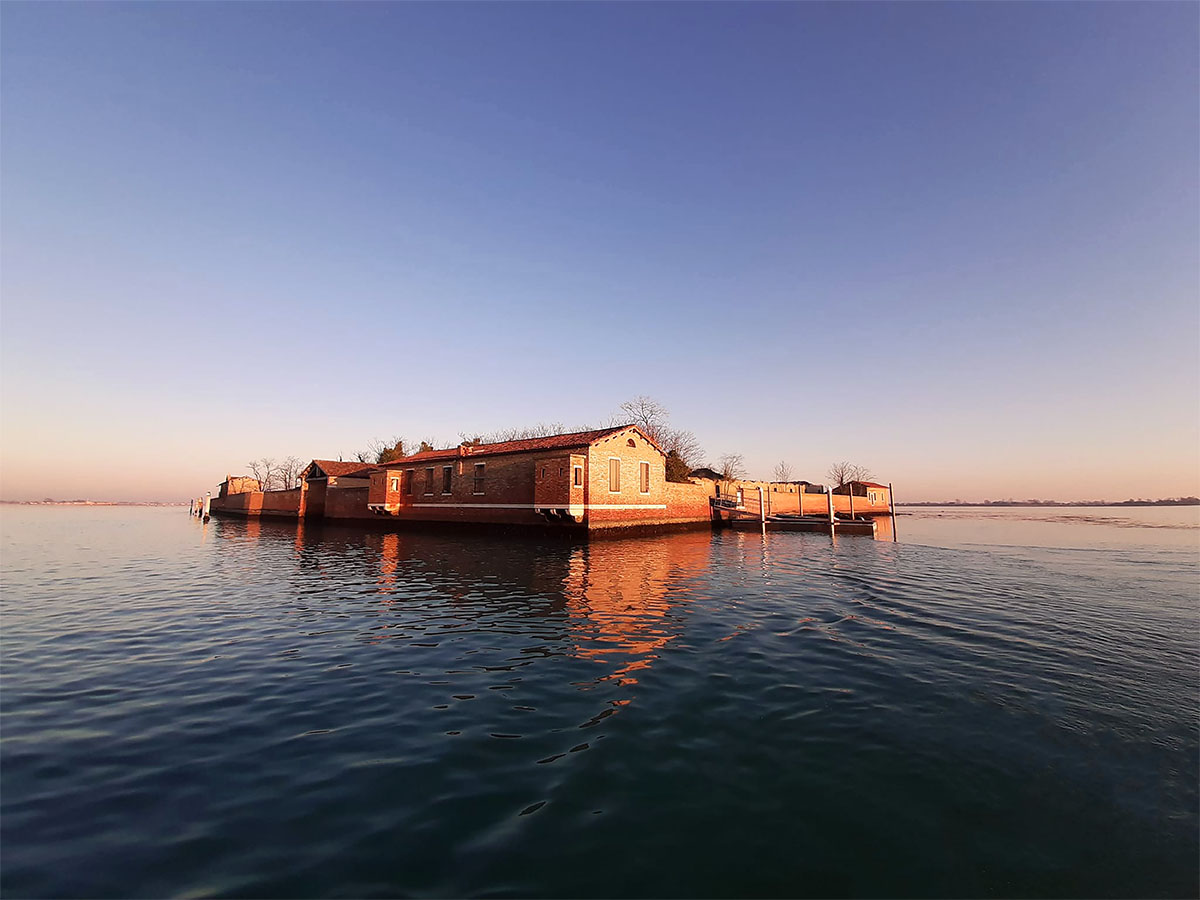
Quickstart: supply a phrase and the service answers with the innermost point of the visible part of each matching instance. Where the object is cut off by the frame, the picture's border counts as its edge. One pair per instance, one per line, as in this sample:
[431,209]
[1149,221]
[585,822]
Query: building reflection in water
[623,597]
[389,563]
[620,599]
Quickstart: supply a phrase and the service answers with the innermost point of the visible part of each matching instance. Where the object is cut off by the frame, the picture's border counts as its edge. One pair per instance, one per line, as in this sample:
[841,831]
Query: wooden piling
[829,499]
[762,509]
[852,501]
[892,504]
[207,504]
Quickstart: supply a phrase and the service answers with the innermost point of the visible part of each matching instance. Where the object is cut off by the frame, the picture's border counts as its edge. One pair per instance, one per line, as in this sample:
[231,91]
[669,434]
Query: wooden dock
[793,522]
[831,523]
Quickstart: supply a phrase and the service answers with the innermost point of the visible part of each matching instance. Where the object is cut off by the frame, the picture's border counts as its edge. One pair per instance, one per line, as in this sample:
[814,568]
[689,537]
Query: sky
[958,244]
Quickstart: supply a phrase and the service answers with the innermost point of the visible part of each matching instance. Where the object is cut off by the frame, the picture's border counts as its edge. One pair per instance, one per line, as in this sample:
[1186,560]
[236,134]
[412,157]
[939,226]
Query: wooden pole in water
[207,504]
[829,498]
[762,509]
[892,504]
[800,497]
[852,501]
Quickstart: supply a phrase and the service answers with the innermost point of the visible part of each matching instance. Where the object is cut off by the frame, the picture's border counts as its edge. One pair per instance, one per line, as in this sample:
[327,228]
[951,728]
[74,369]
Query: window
[447,474]
[477,483]
[614,475]
[394,485]
[644,473]
[577,480]
[429,480]
[407,476]
[630,443]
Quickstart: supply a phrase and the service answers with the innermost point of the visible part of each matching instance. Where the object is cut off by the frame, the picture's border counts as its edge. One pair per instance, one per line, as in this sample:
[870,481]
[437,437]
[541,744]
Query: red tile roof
[873,484]
[526,445]
[338,468]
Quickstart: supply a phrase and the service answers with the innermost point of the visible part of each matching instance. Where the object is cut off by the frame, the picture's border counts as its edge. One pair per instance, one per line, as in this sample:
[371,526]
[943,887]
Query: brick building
[875,498]
[607,478]
[238,484]
[322,483]
[593,481]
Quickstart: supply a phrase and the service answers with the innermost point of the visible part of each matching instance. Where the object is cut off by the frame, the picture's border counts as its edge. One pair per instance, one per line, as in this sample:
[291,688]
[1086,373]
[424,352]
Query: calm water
[1003,704]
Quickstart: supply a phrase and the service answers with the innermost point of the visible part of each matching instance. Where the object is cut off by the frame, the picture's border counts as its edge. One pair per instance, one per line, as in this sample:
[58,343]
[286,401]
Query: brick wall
[347,503]
[508,490]
[780,501]
[552,481]
[258,503]
[688,502]
[629,505]
[517,484]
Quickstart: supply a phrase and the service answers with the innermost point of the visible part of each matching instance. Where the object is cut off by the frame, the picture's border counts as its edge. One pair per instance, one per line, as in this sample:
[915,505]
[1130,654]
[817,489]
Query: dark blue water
[245,709]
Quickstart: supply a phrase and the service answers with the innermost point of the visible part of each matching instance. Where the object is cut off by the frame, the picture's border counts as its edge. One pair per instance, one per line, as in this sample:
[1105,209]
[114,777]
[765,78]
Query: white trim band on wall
[570,506]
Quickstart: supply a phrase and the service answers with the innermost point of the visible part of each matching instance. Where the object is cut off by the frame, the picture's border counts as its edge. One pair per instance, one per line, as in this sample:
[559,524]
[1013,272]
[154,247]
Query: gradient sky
[955,243]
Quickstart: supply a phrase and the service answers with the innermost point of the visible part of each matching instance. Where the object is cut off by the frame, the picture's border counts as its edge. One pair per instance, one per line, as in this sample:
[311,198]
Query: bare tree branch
[649,415]
[385,451]
[289,472]
[841,473]
[265,470]
[783,472]
[732,466]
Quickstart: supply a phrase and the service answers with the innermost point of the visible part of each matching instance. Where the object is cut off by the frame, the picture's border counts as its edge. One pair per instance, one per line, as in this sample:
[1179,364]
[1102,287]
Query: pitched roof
[525,445]
[873,484]
[337,468]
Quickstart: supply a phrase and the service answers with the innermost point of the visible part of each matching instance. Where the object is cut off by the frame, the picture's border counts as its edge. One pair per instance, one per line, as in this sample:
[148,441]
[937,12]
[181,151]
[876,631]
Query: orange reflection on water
[620,594]
[389,563]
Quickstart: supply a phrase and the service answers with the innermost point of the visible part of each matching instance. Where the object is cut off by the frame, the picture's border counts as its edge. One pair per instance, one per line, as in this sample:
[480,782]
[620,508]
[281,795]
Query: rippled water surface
[252,709]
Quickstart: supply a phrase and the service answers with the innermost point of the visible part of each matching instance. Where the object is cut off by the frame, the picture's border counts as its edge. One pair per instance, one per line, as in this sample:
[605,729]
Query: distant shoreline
[1037,504]
[95,502]
[982,504]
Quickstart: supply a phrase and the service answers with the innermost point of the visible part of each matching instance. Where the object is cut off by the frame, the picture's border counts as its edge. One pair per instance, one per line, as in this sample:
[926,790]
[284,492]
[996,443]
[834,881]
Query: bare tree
[783,472]
[385,451]
[648,414]
[541,429]
[266,470]
[841,473]
[732,466]
[289,472]
[653,419]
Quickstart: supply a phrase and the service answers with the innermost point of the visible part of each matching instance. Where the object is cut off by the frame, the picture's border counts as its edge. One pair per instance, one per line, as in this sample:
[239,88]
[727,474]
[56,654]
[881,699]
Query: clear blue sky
[956,243]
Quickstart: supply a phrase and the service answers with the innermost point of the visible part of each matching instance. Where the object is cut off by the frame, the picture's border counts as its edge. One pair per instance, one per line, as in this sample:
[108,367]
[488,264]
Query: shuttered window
[644,473]
[477,482]
[429,480]
[614,475]
[447,474]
